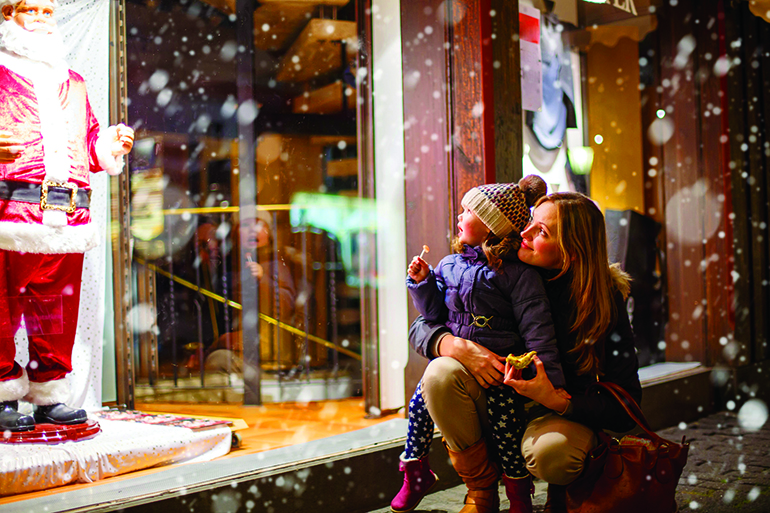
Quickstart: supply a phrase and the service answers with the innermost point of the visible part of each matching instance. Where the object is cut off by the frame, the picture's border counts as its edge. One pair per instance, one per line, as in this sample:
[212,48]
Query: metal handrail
[237,306]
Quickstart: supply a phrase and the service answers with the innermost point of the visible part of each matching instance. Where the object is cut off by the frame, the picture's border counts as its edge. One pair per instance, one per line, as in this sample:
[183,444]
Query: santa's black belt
[480,321]
[50,195]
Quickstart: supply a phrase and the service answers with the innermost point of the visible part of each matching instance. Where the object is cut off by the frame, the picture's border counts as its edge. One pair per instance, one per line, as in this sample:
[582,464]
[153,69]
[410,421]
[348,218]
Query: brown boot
[480,475]
[557,499]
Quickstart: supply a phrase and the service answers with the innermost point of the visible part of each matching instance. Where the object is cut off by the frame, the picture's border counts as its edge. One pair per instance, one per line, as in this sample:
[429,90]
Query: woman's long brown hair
[582,239]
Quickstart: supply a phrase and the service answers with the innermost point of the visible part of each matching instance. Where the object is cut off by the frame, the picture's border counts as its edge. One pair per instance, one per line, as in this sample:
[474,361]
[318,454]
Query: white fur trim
[53,128]
[49,392]
[54,218]
[107,161]
[38,238]
[34,70]
[14,389]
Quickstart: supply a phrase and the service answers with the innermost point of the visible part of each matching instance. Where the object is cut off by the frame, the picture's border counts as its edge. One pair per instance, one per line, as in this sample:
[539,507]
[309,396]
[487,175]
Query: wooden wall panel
[716,265]
[469,110]
[753,137]
[686,329]
[426,137]
[735,87]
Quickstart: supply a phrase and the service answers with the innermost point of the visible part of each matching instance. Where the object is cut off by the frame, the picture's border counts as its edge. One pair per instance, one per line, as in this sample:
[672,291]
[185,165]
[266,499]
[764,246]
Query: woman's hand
[483,364]
[539,388]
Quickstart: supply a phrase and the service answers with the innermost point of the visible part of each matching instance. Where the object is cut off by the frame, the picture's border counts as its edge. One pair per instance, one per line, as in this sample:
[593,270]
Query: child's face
[471,230]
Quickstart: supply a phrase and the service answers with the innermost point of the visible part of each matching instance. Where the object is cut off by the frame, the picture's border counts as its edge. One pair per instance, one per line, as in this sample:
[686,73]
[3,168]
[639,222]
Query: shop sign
[599,12]
[623,5]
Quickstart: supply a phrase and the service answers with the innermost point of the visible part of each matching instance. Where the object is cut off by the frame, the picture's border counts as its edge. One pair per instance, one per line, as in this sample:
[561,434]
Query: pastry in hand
[521,362]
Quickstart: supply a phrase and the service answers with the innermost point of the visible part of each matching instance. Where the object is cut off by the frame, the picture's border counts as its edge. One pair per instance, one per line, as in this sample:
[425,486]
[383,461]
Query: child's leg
[508,420]
[418,477]
[420,427]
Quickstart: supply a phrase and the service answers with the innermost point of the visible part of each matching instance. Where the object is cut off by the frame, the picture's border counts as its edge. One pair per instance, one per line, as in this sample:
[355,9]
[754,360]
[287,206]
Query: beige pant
[553,447]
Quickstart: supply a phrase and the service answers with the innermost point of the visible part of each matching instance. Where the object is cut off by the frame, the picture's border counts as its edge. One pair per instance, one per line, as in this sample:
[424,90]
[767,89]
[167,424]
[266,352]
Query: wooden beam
[506,84]
[317,50]
[329,99]
[277,25]
[470,113]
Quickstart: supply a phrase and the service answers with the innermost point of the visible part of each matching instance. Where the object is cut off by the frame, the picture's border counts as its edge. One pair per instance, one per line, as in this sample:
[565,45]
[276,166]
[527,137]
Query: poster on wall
[531,65]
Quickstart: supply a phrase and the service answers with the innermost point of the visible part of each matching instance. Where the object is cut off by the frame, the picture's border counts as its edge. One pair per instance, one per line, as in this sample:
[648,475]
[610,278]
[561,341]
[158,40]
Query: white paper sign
[531,64]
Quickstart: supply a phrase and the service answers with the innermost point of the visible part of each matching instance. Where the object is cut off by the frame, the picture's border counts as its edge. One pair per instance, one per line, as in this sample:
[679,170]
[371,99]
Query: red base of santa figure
[50,142]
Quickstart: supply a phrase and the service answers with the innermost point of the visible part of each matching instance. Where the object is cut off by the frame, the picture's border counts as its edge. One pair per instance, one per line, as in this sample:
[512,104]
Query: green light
[598,139]
[660,113]
[581,159]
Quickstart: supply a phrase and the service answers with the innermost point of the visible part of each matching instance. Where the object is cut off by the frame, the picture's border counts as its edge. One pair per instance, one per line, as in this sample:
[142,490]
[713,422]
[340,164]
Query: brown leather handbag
[636,474]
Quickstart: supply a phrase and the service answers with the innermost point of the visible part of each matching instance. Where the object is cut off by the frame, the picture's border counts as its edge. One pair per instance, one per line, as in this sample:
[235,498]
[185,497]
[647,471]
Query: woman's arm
[433,340]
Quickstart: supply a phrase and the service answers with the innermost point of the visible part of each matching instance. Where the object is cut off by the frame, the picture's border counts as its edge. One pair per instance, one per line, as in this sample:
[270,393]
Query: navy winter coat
[516,316]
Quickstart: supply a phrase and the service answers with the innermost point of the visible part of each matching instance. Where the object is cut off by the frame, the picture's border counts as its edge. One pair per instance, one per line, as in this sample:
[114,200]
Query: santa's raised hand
[122,139]
[10,148]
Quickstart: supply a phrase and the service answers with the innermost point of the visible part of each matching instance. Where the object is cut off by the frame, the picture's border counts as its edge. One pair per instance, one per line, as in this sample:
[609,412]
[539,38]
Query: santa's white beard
[37,46]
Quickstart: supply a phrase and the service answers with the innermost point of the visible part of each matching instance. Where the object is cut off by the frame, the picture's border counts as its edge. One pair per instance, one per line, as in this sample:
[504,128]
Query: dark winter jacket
[619,363]
[512,300]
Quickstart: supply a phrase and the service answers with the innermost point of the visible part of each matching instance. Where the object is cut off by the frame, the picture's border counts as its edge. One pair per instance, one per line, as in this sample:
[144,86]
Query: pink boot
[519,493]
[418,481]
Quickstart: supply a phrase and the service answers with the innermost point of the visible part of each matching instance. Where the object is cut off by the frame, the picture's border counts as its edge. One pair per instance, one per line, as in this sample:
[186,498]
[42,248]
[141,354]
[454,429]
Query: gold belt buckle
[481,322]
[73,188]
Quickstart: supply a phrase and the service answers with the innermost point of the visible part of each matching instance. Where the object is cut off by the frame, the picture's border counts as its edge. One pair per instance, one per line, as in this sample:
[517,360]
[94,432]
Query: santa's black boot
[59,413]
[12,420]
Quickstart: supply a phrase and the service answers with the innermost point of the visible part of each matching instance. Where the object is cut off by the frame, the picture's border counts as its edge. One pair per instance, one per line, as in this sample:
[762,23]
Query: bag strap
[629,404]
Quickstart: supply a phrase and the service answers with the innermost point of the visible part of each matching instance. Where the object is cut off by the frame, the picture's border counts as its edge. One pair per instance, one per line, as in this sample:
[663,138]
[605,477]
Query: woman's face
[471,230]
[539,246]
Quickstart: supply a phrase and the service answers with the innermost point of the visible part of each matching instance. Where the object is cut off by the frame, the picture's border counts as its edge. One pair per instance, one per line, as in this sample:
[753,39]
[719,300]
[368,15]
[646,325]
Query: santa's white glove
[122,139]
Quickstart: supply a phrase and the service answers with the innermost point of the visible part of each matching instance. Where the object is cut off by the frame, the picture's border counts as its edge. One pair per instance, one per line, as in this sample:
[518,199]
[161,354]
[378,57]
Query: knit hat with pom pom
[504,207]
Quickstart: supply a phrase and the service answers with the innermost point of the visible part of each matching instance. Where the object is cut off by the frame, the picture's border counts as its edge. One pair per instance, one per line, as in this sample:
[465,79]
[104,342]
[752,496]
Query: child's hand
[256,270]
[418,269]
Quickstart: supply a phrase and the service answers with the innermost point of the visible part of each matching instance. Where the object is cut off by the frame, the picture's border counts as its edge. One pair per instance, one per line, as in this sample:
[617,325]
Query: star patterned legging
[507,419]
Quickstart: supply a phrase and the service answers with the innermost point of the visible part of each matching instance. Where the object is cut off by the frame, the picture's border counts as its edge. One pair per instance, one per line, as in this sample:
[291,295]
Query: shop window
[187,223]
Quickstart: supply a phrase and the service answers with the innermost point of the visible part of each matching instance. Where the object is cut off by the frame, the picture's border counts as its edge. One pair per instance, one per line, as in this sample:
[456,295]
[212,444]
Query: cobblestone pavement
[728,470]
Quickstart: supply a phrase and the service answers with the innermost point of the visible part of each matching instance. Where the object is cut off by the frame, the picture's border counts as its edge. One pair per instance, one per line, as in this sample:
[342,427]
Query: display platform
[121,447]
[53,433]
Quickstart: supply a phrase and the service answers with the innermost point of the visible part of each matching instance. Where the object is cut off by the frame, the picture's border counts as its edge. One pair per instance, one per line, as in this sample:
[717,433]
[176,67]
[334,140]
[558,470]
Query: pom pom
[533,188]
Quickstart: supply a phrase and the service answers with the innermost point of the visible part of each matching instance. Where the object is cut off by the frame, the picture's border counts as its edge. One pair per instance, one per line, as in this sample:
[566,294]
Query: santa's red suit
[41,243]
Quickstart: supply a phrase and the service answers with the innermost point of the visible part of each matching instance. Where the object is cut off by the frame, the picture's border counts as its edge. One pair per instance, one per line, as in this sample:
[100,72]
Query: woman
[567,241]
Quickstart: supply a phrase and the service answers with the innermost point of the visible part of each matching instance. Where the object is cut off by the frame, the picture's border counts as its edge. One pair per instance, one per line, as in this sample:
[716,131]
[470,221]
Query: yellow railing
[237,306]
[221,210]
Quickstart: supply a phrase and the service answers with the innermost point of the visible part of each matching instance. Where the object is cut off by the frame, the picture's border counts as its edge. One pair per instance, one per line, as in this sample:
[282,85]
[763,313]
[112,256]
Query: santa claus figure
[50,142]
